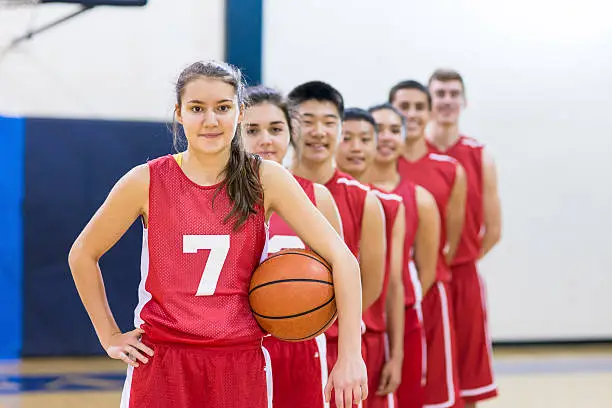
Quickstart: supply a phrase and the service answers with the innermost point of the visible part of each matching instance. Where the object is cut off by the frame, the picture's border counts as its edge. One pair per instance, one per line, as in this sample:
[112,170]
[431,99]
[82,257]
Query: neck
[415,149]
[205,169]
[357,176]
[444,136]
[317,172]
[383,175]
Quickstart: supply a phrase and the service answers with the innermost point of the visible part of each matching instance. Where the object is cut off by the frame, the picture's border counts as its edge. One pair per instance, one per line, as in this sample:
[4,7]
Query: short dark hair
[409,84]
[360,114]
[445,75]
[390,107]
[257,95]
[318,91]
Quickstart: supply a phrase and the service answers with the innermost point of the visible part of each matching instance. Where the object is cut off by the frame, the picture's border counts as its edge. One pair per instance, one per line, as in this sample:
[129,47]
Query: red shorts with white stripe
[442,387]
[377,353]
[183,376]
[300,372]
[474,359]
[411,392]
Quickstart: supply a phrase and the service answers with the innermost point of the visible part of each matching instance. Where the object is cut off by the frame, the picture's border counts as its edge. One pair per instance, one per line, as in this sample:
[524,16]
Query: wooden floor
[554,377]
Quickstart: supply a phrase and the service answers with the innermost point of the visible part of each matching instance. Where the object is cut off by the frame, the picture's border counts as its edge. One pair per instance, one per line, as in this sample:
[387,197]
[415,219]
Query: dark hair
[241,173]
[360,114]
[388,106]
[257,95]
[409,84]
[445,75]
[318,91]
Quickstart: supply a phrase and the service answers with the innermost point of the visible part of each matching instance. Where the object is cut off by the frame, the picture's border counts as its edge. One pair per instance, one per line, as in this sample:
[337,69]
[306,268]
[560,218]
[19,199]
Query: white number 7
[219,246]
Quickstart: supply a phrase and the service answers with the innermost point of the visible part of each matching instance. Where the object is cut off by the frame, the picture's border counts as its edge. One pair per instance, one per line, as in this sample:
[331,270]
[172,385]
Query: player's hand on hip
[349,380]
[128,347]
[390,377]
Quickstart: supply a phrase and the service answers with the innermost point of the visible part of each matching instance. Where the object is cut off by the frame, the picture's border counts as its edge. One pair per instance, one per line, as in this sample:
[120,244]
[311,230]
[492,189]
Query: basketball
[292,295]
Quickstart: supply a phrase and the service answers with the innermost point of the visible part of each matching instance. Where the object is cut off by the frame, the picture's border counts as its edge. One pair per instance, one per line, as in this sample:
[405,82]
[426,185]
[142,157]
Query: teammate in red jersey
[355,154]
[204,216]
[482,230]
[444,178]
[320,108]
[421,243]
[300,368]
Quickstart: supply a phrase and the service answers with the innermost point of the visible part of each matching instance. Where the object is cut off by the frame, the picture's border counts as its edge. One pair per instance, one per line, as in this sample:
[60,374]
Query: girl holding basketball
[204,216]
[268,132]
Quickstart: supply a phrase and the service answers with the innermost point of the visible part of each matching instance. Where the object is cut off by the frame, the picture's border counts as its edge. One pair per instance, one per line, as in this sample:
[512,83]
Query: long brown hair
[241,174]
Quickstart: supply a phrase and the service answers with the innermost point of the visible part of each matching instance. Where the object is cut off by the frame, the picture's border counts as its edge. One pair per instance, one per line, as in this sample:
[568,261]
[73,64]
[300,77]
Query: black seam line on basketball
[315,333]
[298,314]
[296,253]
[289,280]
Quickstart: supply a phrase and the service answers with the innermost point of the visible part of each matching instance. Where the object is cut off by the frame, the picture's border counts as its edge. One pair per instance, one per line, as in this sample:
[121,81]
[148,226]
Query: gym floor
[528,377]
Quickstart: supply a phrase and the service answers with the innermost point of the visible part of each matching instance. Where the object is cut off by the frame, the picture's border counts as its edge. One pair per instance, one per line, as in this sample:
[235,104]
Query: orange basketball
[292,295]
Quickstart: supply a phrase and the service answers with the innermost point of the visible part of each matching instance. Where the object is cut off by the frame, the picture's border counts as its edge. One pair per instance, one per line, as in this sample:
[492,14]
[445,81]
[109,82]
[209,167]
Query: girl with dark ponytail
[204,213]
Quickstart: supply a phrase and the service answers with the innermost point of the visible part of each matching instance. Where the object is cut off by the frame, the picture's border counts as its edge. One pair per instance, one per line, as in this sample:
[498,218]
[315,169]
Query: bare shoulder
[487,158]
[424,197]
[269,171]
[137,179]
[321,192]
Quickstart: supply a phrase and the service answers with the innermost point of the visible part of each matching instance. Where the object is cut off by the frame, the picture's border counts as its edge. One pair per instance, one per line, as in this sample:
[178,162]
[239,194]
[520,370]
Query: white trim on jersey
[493,386]
[416,283]
[322,347]
[387,196]
[143,295]
[468,141]
[448,351]
[348,182]
[268,370]
[127,388]
[442,158]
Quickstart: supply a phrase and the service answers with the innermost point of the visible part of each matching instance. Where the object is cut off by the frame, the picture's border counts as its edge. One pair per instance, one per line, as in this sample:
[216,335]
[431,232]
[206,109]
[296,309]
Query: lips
[355,160]
[319,147]
[210,135]
[267,154]
[385,150]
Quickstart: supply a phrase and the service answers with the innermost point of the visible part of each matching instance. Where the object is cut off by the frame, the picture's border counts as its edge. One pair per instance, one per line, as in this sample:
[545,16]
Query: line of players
[418,211]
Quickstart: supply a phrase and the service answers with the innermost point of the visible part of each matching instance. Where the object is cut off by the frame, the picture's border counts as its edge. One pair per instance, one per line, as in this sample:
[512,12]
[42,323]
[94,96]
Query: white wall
[539,81]
[110,62]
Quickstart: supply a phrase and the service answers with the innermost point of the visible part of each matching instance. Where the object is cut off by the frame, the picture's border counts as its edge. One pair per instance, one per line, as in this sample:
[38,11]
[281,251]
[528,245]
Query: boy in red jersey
[355,153]
[420,249]
[481,232]
[320,108]
[204,215]
[300,368]
[444,178]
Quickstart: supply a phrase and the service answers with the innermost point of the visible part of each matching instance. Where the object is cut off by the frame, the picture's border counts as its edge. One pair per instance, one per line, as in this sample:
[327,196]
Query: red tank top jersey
[374,318]
[407,190]
[435,173]
[195,268]
[281,234]
[350,196]
[468,152]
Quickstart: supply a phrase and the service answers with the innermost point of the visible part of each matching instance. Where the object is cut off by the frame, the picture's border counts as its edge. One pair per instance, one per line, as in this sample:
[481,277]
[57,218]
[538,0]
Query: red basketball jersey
[195,268]
[350,196]
[281,234]
[468,152]
[412,287]
[435,173]
[374,318]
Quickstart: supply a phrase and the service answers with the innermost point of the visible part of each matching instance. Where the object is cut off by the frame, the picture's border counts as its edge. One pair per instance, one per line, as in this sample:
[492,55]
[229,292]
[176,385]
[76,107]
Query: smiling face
[266,131]
[357,148]
[390,136]
[319,129]
[209,113]
[448,100]
[414,105]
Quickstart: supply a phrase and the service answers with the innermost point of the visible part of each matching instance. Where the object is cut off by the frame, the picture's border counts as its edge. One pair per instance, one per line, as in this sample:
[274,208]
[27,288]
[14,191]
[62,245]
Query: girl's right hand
[126,346]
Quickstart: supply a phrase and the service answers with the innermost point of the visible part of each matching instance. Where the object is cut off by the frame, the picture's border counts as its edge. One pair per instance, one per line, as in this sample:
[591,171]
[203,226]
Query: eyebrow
[203,103]
[329,115]
[278,122]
